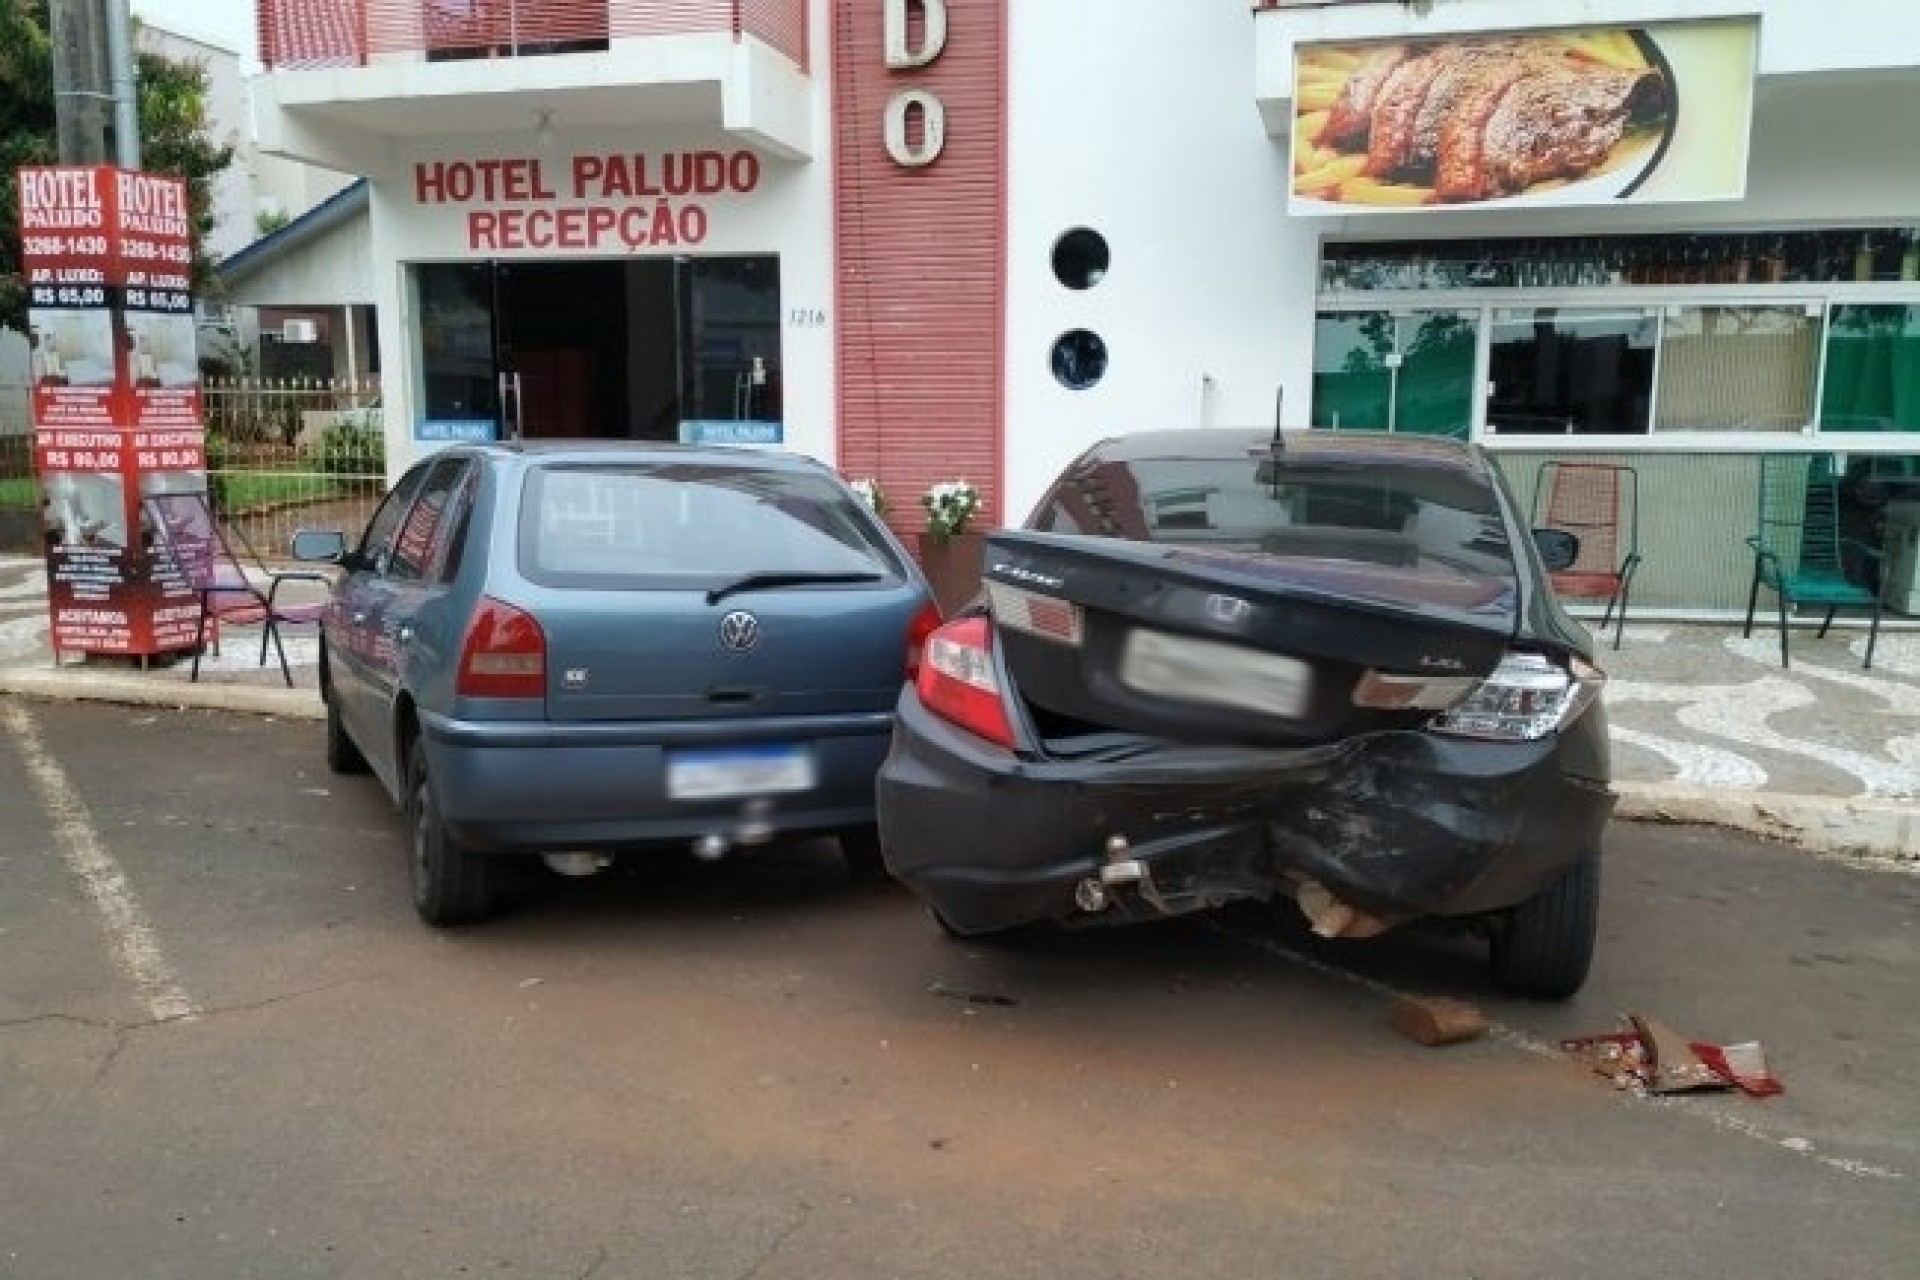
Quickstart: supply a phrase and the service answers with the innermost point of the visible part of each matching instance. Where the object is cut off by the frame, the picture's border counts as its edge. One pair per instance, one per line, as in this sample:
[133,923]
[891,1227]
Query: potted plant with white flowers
[951,506]
[950,548]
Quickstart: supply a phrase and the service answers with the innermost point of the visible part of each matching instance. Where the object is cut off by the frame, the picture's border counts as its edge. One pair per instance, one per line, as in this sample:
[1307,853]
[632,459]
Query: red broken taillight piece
[924,624]
[958,682]
[504,654]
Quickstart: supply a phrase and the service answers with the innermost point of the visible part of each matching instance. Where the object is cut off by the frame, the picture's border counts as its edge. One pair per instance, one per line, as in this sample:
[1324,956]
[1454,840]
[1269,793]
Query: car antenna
[1279,443]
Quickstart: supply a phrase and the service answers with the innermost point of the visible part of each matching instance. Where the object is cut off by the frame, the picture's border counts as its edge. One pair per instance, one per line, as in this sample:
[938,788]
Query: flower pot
[952,566]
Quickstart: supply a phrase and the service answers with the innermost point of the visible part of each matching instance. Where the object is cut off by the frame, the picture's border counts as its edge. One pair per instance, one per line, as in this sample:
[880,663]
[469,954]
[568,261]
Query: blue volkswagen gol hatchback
[575,649]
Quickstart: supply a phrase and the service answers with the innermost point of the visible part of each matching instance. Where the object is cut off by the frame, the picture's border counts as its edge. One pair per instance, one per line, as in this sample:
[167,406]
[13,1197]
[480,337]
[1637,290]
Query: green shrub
[352,448]
[219,459]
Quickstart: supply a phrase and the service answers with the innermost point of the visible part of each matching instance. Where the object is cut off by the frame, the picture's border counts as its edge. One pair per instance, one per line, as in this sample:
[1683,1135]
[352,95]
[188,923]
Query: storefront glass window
[1571,371]
[1738,368]
[1873,370]
[1380,371]
[458,384]
[730,366]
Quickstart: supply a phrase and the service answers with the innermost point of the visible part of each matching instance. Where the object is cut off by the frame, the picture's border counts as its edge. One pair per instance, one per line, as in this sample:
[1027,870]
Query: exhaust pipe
[577,864]
[711,847]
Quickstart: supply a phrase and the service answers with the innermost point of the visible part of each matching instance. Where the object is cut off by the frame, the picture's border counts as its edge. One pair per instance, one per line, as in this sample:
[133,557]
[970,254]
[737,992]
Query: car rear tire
[860,850]
[452,885]
[1543,948]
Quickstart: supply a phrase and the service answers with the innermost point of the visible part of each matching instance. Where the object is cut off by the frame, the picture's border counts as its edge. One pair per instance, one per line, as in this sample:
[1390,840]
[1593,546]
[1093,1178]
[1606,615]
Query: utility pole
[80,92]
[126,106]
[93,90]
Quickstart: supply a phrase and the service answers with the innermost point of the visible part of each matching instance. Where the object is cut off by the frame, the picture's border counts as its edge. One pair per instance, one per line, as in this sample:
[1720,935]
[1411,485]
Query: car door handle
[358,619]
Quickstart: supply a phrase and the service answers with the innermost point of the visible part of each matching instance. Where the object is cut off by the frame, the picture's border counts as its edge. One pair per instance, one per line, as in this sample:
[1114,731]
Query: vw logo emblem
[739,631]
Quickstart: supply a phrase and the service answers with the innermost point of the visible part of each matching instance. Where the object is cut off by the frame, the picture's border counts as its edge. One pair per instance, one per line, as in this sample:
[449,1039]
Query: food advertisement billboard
[1646,114]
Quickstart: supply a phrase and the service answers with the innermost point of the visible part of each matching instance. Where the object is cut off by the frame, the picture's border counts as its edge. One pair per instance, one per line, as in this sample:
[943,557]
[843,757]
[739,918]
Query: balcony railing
[300,34]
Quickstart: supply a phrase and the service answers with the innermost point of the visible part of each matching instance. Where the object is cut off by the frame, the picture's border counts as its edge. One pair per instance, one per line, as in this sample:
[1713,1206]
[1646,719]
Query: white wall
[1796,36]
[226,107]
[1147,131]
[252,181]
[333,269]
[789,213]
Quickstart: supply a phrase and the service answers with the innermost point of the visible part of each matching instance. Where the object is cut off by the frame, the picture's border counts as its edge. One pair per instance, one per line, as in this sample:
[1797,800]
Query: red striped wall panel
[920,253]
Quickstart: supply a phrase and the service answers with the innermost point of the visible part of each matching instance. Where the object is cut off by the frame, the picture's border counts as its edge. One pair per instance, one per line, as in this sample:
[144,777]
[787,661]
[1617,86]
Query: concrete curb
[143,691]
[1843,826]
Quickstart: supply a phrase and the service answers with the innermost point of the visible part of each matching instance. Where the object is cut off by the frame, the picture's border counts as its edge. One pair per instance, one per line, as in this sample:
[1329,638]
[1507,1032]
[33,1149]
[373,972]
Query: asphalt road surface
[227,1049]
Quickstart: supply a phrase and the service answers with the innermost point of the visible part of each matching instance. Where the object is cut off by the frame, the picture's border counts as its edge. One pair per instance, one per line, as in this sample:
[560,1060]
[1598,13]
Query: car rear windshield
[688,525]
[1372,510]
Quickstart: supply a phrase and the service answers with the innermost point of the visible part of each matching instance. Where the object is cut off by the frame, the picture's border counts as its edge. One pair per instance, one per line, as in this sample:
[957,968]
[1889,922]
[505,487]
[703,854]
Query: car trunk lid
[667,654]
[1292,642]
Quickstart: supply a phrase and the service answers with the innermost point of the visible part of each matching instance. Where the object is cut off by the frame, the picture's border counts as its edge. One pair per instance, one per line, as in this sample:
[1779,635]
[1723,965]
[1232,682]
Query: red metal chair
[190,535]
[1598,502]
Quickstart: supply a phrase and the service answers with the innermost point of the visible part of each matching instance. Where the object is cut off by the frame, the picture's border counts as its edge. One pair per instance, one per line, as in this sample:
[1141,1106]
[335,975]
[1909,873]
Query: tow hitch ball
[1093,894]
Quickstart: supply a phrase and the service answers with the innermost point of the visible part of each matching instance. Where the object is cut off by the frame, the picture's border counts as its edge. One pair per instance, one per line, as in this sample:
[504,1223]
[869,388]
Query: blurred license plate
[737,771]
[1223,674]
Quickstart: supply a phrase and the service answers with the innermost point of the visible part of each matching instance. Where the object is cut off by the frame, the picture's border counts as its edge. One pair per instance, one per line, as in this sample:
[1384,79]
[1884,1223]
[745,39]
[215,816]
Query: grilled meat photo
[1477,119]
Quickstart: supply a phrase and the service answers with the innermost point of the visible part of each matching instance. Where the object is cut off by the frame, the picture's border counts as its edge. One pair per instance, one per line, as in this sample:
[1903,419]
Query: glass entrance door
[729,372]
[1409,371]
[651,349]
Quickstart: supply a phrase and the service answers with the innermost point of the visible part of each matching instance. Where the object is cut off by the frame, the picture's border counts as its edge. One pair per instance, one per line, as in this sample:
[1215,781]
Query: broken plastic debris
[1329,917]
[1436,1020]
[1744,1064]
[1650,1057]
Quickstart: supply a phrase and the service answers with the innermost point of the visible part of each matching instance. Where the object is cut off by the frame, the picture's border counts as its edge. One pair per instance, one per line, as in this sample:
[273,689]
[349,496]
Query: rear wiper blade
[762,581]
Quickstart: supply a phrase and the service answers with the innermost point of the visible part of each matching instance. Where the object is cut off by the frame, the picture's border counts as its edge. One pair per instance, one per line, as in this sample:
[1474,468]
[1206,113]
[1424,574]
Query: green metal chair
[1797,550]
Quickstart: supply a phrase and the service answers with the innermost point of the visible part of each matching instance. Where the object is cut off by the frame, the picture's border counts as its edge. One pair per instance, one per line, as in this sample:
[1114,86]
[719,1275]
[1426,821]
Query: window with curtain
[1873,369]
[1738,368]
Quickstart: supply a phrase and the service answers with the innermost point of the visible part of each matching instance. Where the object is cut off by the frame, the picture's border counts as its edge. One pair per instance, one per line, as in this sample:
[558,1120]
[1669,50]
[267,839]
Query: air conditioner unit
[299,331]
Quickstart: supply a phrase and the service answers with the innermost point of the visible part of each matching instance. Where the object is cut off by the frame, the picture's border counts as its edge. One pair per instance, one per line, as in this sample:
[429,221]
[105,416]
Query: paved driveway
[228,1050]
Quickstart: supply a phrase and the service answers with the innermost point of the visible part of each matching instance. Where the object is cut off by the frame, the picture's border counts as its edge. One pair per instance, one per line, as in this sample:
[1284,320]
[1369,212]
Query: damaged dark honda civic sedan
[1220,665]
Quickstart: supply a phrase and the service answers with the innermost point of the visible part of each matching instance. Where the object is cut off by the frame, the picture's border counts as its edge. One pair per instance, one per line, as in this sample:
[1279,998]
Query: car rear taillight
[1528,696]
[504,654]
[924,624]
[957,680]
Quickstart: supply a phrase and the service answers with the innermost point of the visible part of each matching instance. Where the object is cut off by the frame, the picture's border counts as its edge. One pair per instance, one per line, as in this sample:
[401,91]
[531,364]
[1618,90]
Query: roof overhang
[360,119]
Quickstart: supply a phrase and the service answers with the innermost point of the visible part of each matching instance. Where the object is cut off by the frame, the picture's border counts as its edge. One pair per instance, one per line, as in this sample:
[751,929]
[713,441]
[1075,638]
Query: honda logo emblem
[1231,610]
[739,631]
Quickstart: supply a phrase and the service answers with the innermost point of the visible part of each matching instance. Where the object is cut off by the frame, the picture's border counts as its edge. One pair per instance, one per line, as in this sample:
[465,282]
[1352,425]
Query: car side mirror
[322,546]
[1558,548]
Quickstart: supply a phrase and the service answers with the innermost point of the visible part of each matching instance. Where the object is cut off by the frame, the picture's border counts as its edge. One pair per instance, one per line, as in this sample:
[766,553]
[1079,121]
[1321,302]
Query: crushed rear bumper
[1399,824]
